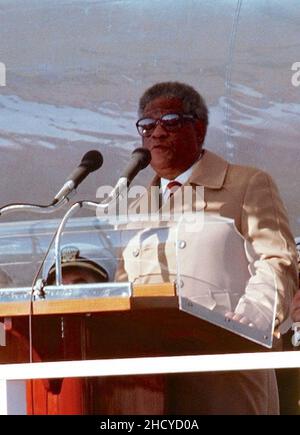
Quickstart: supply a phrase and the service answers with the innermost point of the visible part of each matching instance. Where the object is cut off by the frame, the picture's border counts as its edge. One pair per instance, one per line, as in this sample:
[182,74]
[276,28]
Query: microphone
[140,159]
[90,162]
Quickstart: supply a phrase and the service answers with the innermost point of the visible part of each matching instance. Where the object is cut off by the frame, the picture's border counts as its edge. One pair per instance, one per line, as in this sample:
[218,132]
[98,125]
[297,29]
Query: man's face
[73,275]
[173,152]
[78,276]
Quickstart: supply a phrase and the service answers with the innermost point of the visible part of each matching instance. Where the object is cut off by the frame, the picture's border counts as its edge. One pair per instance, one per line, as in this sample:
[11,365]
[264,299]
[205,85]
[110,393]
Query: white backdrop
[76,68]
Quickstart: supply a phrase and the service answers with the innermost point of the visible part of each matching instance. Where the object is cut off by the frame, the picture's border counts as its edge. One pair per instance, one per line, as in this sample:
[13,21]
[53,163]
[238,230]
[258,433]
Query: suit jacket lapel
[209,172]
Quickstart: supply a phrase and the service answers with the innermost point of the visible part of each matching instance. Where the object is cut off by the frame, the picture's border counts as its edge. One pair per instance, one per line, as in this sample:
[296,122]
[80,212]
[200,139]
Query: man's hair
[193,103]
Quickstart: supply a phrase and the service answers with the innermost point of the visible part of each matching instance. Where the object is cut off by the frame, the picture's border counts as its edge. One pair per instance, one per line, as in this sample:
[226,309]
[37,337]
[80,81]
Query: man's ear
[201,128]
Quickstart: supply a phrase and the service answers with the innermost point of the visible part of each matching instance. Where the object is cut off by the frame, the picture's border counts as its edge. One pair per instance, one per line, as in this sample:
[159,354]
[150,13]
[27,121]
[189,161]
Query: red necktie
[173,186]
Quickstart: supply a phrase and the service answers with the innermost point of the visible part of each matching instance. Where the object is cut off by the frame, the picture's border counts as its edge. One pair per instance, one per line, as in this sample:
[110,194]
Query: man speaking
[173,124]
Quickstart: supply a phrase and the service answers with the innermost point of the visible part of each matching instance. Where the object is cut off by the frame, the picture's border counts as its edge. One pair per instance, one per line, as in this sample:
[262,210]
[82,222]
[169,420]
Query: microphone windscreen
[92,160]
[140,158]
[143,156]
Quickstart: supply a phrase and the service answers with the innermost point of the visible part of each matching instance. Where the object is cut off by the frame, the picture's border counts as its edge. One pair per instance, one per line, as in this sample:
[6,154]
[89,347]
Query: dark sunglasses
[169,121]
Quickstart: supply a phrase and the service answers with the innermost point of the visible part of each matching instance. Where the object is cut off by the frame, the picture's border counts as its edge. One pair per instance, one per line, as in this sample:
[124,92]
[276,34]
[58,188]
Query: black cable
[32,292]
[35,281]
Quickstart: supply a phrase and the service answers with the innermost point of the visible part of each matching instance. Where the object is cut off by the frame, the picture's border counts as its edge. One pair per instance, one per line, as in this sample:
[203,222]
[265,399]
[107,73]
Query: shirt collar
[182,179]
[210,172]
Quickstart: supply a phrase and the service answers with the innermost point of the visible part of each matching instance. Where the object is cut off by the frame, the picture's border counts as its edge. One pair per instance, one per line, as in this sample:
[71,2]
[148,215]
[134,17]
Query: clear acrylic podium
[173,290]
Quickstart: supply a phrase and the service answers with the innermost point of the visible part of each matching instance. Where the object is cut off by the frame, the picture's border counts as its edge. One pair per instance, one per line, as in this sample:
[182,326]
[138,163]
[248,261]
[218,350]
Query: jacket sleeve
[271,252]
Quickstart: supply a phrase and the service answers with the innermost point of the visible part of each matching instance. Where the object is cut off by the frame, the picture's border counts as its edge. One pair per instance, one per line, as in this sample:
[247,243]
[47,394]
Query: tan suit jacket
[250,198]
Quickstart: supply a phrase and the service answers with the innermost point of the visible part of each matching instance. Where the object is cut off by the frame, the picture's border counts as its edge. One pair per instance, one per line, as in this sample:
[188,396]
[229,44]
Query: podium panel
[223,280]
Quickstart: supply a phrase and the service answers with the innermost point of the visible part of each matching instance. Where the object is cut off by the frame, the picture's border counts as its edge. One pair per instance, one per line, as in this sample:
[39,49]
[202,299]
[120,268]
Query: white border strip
[131,366]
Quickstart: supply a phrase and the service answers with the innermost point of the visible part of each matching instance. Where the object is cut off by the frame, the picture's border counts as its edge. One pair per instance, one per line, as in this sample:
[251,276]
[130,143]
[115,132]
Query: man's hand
[243,319]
